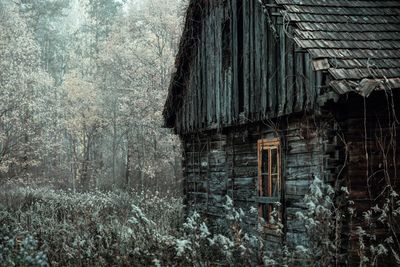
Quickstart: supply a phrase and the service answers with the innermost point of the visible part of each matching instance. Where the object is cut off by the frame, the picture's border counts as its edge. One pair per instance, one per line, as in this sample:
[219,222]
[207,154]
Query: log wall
[225,164]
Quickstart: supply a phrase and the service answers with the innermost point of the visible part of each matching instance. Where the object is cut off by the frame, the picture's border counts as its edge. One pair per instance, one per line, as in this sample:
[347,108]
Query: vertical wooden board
[312,83]
[252,77]
[258,58]
[193,99]
[317,84]
[272,72]
[282,70]
[194,88]
[211,59]
[307,89]
[246,56]
[189,99]
[194,84]
[289,71]
[198,85]
[223,71]
[233,93]
[187,103]
[231,81]
[209,72]
[264,64]
[204,67]
[218,71]
[224,108]
[310,75]
[299,70]
[222,74]
[203,64]
[227,89]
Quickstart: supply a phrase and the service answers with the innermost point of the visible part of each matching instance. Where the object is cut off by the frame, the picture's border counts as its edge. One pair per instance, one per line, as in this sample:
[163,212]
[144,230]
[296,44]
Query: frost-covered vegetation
[43,226]
[85,228]
[327,211]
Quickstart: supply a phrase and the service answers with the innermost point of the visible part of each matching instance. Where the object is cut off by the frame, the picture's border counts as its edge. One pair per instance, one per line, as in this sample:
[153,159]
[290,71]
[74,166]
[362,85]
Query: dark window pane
[264,170]
[275,185]
[274,173]
[274,161]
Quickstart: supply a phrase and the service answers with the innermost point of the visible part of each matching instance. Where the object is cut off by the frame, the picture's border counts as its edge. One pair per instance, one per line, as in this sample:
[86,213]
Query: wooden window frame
[268,144]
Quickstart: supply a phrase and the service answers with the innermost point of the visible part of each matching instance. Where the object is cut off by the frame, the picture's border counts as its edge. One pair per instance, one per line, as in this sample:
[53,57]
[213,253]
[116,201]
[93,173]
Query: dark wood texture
[226,164]
[293,70]
[370,129]
[253,86]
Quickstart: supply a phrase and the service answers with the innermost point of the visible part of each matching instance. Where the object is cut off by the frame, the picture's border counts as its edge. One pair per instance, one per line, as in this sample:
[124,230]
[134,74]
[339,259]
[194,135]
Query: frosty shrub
[327,212]
[18,248]
[375,247]
[92,229]
[321,219]
[320,225]
[42,227]
[228,243]
[60,228]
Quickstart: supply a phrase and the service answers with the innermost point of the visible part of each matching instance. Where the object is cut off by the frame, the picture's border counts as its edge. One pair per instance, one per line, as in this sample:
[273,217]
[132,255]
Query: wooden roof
[358,42]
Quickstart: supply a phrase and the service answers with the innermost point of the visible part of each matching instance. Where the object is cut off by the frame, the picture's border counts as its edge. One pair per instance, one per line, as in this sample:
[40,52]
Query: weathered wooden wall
[221,164]
[265,75]
[226,106]
[369,126]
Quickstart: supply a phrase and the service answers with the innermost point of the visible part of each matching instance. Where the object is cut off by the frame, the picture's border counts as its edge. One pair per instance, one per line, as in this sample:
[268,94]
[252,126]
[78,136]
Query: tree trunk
[114,144]
[85,177]
[128,165]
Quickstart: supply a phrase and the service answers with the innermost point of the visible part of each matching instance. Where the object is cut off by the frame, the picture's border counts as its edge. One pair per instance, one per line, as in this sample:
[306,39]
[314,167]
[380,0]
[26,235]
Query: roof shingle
[358,41]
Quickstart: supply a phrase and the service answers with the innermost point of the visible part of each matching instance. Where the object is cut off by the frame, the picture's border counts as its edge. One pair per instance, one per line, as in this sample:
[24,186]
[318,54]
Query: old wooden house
[267,95]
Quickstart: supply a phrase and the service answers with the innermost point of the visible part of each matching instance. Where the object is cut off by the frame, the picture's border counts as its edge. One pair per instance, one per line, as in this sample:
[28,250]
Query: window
[269,176]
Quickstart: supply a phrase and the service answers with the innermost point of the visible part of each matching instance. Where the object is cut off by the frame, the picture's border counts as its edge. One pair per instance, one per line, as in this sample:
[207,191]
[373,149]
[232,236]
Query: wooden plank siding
[269,88]
[272,75]
[228,165]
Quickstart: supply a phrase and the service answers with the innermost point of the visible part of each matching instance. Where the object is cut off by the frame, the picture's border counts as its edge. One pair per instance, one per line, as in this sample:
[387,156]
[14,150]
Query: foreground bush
[84,229]
[42,227]
[58,228]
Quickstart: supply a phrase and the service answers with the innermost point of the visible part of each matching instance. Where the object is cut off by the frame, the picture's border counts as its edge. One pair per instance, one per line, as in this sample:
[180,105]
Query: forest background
[83,83]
